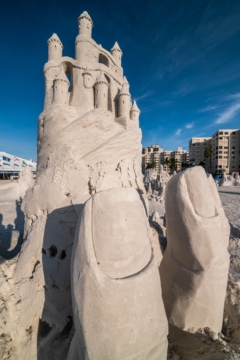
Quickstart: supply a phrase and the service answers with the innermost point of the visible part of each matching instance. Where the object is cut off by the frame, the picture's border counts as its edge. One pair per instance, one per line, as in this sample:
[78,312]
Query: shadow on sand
[11,236]
[56,324]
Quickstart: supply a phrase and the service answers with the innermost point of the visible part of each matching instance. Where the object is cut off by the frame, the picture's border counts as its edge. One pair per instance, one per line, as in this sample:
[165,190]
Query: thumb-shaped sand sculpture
[116,290]
[194,269]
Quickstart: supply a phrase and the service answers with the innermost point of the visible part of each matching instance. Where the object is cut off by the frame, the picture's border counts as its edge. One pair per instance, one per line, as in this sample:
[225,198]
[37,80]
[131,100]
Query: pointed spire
[53,38]
[135,107]
[62,76]
[125,87]
[116,47]
[102,79]
[86,15]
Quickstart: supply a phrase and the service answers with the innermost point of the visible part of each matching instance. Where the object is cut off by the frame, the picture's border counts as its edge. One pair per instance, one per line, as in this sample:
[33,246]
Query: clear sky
[181,58]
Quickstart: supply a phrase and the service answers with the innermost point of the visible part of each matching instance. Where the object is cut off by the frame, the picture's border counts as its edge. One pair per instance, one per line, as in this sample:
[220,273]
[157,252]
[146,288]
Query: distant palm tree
[208,154]
[151,165]
[167,162]
[173,164]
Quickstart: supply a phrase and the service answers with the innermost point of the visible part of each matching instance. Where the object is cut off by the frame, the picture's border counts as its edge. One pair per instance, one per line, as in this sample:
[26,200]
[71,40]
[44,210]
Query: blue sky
[181,58]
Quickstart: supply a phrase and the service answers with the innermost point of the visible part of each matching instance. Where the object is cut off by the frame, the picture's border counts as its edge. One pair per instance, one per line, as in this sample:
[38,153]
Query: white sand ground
[230,197]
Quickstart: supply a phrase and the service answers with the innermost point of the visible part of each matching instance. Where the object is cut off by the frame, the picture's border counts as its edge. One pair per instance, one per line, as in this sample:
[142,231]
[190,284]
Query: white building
[13,164]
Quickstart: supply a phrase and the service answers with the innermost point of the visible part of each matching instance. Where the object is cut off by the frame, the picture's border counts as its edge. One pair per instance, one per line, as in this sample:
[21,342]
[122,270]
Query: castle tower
[60,88]
[117,53]
[124,100]
[85,24]
[55,47]
[101,92]
[134,112]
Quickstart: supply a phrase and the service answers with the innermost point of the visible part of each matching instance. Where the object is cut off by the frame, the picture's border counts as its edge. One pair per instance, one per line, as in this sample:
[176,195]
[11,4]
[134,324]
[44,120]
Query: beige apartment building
[226,151]
[197,146]
[182,156]
[225,145]
[151,154]
[155,153]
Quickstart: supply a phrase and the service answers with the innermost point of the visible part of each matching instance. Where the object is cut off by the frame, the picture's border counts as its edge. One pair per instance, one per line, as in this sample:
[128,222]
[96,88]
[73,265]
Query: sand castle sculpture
[89,151]
[230,180]
[88,271]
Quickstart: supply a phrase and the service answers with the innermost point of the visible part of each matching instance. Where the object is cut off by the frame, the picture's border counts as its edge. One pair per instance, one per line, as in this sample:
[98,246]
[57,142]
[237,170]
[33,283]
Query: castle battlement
[96,75]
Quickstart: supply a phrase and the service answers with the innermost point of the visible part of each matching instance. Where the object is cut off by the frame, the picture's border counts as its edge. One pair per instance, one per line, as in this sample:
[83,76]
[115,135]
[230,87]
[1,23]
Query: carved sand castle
[86,284]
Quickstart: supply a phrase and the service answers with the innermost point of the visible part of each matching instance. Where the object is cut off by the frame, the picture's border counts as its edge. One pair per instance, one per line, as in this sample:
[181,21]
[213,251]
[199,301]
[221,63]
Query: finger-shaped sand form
[117,303]
[194,269]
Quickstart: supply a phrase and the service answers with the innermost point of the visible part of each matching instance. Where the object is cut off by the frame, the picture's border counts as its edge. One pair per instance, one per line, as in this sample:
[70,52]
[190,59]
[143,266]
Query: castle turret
[134,112]
[87,79]
[85,24]
[60,88]
[117,53]
[101,92]
[124,100]
[55,47]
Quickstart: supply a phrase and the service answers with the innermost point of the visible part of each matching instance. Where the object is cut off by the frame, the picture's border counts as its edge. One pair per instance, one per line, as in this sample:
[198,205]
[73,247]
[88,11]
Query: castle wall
[82,96]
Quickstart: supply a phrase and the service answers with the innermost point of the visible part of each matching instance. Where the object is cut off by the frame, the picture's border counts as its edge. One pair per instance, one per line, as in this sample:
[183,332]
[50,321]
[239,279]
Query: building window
[233,147]
[225,147]
[220,157]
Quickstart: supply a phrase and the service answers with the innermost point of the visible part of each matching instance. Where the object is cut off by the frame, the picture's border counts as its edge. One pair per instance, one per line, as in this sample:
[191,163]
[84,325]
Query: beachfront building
[12,165]
[225,146]
[226,151]
[197,147]
[181,156]
[155,154]
[150,155]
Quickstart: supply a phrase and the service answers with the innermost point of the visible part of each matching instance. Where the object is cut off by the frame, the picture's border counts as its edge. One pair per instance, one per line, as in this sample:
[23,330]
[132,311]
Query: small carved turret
[134,112]
[87,79]
[101,92]
[60,88]
[117,53]
[124,100]
[55,47]
[85,24]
